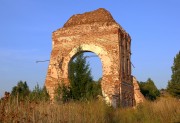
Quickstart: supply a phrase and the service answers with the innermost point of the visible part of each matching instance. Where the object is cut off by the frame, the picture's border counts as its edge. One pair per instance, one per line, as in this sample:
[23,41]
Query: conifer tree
[174,84]
[80,77]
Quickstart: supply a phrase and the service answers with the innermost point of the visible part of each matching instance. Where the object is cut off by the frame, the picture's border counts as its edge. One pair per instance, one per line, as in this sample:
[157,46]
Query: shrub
[149,90]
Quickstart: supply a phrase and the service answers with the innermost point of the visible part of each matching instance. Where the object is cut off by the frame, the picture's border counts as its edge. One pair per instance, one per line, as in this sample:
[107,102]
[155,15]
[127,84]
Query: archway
[106,66]
[83,85]
[106,38]
[94,64]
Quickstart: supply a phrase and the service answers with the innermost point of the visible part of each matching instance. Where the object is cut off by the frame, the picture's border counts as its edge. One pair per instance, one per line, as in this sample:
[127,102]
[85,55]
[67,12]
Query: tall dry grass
[164,110]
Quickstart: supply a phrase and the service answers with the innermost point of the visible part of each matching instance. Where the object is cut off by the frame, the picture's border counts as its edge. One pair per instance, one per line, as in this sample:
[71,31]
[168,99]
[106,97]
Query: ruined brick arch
[99,33]
[105,58]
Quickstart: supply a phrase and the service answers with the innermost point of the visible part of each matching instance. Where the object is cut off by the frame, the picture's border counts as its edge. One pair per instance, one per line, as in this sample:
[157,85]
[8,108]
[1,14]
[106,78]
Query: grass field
[164,110]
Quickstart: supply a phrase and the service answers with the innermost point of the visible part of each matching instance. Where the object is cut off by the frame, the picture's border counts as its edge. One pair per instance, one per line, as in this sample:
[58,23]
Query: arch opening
[94,63]
[85,74]
[105,59]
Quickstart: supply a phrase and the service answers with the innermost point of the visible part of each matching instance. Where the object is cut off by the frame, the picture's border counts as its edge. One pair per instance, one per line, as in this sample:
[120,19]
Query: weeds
[95,111]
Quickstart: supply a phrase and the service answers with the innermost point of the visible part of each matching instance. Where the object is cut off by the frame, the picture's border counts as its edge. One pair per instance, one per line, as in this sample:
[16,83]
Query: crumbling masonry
[99,33]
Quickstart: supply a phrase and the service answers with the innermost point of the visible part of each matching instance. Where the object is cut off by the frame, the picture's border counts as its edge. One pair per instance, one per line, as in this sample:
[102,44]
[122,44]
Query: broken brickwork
[99,33]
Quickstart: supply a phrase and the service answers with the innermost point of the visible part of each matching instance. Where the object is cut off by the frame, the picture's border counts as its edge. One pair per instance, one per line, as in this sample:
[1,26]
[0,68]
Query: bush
[39,94]
[63,93]
[149,90]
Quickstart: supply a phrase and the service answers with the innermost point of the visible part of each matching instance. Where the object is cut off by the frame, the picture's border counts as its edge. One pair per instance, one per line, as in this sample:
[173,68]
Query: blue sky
[26,28]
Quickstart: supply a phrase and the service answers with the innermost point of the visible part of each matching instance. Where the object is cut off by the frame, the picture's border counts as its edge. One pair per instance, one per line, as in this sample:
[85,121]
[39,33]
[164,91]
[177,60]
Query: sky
[26,28]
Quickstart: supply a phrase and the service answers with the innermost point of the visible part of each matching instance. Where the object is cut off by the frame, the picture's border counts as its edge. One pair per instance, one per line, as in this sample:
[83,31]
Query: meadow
[163,110]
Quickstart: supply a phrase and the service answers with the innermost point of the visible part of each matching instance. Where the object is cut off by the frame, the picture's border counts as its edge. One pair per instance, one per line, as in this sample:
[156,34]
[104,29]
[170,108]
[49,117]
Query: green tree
[174,84]
[149,90]
[21,90]
[81,82]
[96,89]
[80,77]
[63,93]
[39,94]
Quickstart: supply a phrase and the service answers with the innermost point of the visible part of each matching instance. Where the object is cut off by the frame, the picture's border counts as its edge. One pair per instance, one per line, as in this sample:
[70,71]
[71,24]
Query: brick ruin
[138,96]
[96,32]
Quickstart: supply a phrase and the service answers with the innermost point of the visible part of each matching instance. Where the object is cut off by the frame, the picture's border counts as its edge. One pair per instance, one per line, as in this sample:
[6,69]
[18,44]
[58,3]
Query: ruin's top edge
[99,15]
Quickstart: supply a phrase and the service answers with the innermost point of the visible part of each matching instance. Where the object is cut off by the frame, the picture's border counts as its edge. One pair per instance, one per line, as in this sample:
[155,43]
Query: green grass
[164,110]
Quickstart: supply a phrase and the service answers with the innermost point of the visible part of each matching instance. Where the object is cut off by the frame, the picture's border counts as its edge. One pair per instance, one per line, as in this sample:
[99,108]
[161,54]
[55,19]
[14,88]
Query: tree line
[22,92]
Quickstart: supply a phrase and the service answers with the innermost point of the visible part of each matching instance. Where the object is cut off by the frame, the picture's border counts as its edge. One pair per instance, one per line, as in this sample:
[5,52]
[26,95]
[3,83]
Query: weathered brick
[99,33]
